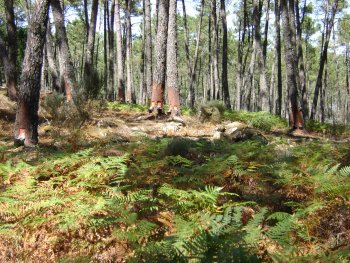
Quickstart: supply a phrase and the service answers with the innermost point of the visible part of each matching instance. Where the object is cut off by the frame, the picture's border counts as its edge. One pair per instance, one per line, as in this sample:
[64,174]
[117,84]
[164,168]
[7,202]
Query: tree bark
[347,97]
[66,66]
[193,68]
[224,77]
[249,81]
[291,67]
[142,74]
[240,50]
[26,130]
[90,74]
[266,31]
[323,94]
[51,62]
[302,73]
[160,58]
[211,92]
[279,58]
[121,85]
[191,95]
[111,57]
[216,50]
[328,24]
[172,71]
[259,52]
[130,94]
[105,44]
[9,61]
[346,107]
[148,47]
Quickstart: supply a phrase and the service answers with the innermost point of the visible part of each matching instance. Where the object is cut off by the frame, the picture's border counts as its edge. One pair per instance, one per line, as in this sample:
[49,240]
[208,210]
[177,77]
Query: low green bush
[117,106]
[336,129]
[261,120]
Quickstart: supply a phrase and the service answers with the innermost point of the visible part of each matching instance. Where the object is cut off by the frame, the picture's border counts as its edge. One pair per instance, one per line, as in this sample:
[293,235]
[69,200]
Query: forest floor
[122,185]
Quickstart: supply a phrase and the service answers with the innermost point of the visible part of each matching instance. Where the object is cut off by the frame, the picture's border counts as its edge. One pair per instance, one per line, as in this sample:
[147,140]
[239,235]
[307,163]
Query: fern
[345,171]
[331,181]
[289,224]
[254,228]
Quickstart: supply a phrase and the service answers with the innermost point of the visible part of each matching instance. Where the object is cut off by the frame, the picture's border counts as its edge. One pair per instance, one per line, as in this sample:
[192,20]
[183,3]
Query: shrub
[336,129]
[215,104]
[117,106]
[177,146]
[261,120]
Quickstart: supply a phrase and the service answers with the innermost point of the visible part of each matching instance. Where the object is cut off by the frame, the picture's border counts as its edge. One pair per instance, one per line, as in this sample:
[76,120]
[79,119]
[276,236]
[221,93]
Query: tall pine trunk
[279,58]
[328,27]
[191,95]
[121,83]
[291,66]
[11,58]
[142,74]
[26,128]
[67,72]
[259,52]
[302,73]
[240,61]
[224,77]
[111,53]
[130,94]
[195,59]
[160,58]
[346,108]
[51,62]
[148,47]
[216,78]
[172,71]
[90,73]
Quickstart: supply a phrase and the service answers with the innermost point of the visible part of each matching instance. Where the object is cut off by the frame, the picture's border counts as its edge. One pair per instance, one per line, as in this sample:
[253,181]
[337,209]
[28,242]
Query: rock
[109,123]
[136,129]
[176,119]
[209,114]
[237,131]
[97,133]
[218,135]
[172,127]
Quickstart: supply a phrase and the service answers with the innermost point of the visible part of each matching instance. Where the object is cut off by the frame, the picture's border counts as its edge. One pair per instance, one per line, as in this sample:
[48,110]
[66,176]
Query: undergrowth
[336,129]
[179,200]
[126,107]
[260,120]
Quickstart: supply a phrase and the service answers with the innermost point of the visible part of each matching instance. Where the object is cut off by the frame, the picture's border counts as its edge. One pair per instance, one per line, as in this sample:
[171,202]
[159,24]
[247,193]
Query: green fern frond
[257,219]
[281,231]
[232,160]
[332,170]
[279,216]
[345,171]
[254,228]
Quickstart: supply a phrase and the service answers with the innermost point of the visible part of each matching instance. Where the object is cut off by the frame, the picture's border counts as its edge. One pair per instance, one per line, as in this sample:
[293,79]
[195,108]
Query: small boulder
[172,127]
[209,114]
[237,131]
[176,119]
[109,123]
[97,133]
